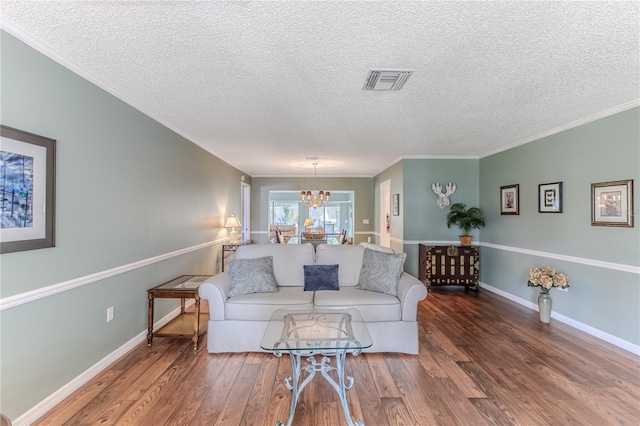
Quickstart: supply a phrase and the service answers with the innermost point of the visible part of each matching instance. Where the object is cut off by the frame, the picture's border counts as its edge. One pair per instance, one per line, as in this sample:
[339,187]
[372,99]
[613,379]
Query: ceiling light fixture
[314,199]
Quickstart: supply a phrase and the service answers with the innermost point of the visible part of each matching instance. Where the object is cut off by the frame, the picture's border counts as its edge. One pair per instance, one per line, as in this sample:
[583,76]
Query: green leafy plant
[465,219]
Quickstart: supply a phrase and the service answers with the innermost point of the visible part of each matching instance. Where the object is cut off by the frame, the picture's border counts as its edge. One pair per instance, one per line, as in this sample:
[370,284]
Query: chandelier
[314,199]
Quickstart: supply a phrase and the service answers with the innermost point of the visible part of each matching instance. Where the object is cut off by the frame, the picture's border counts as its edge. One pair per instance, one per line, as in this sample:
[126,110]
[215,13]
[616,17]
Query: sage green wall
[394,175]
[128,189]
[423,220]
[608,149]
[261,186]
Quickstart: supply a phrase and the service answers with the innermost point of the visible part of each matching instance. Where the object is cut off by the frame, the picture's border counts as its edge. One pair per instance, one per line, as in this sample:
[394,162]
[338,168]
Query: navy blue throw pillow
[321,277]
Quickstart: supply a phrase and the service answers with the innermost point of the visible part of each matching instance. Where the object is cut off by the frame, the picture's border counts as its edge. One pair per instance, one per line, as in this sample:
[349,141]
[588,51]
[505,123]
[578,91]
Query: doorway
[245,211]
[385,213]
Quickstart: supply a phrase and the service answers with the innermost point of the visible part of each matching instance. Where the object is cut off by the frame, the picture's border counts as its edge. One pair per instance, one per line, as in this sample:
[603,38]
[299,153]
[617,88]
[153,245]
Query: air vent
[386,79]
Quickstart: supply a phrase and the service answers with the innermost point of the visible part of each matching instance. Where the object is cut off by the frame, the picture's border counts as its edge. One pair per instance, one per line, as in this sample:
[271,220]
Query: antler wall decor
[443,197]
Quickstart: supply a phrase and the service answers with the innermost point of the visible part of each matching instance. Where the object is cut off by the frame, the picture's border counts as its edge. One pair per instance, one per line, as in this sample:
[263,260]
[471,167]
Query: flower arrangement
[547,278]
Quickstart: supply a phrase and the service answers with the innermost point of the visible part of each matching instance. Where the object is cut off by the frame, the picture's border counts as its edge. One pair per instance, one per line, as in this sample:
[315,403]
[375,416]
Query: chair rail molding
[40,293]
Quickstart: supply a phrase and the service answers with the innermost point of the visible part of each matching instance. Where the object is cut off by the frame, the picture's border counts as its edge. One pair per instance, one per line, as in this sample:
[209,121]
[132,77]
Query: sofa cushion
[372,305]
[288,260]
[252,276]
[381,271]
[260,306]
[321,277]
[348,257]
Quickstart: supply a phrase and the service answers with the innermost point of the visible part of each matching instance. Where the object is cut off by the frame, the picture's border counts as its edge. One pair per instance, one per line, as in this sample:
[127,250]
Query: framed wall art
[550,197]
[27,190]
[612,203]
[396,204]
[510,199]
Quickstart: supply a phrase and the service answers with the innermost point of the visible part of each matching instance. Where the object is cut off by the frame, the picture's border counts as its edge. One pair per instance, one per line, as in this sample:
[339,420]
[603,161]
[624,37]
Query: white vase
[544,307]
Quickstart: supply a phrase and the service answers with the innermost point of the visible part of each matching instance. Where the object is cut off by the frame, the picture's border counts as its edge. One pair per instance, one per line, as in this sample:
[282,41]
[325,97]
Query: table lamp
[232,222]
[308,223]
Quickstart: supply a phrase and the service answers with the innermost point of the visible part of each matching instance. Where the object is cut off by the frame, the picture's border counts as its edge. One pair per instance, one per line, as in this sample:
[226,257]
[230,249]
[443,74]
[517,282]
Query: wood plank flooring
[483,360]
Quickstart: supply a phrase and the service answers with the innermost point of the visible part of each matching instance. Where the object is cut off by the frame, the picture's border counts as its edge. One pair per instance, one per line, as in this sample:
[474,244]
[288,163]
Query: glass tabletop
[317,329]
[187,282]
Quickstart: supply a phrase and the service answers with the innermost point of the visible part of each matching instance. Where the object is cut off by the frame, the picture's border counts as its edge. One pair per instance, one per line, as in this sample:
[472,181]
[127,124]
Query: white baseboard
[616,341]
[65,391]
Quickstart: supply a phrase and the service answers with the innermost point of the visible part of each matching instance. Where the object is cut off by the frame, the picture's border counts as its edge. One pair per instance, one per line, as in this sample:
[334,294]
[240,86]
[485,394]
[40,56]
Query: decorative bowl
[313,235]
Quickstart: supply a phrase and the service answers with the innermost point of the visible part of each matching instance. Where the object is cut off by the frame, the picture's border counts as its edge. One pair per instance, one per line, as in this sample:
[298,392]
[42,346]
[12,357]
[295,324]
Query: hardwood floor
[483,360]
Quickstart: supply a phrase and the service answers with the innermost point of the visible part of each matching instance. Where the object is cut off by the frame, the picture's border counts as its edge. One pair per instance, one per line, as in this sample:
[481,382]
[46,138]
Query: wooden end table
[182,287]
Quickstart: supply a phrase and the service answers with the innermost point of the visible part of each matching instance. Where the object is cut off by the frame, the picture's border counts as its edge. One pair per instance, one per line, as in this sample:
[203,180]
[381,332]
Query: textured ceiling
[263,85]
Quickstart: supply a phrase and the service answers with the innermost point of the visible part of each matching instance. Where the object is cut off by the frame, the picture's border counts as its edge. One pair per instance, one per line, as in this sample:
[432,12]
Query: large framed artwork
[27,190]
[550,197]
[612,203]
[510,199]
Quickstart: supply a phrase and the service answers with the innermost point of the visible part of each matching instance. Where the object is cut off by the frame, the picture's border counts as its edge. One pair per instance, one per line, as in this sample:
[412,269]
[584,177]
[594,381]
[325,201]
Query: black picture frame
[510,199]
[550,197]
[27,191]
[396,204]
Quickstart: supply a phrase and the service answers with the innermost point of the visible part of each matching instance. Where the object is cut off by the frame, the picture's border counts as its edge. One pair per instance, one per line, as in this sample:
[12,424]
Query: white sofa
[237,324]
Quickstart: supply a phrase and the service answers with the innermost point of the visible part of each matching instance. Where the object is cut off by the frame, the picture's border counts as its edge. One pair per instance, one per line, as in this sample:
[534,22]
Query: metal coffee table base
[324,367]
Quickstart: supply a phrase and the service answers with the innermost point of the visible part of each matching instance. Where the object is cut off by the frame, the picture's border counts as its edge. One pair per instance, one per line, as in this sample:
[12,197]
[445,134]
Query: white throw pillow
[381,271]
[252,276]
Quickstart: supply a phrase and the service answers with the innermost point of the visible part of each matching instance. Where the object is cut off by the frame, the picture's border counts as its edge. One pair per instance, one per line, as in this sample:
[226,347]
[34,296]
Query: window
[284,213]
[285,208]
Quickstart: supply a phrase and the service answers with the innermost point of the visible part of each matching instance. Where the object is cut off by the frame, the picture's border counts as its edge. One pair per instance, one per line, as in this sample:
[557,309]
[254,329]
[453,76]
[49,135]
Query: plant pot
[465,240]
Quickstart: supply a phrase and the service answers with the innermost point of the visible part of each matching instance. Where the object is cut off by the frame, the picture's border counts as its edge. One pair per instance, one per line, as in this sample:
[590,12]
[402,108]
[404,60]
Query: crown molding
[602,114]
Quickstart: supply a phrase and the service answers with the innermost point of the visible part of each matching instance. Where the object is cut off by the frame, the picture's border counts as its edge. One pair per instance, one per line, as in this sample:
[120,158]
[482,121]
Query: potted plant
[466,220]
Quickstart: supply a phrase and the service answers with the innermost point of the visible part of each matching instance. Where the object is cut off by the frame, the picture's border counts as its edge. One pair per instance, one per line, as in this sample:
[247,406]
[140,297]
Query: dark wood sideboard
[449,265]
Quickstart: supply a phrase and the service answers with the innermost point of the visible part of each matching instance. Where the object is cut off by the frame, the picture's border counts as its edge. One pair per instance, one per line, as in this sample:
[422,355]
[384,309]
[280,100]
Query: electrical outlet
[110,314]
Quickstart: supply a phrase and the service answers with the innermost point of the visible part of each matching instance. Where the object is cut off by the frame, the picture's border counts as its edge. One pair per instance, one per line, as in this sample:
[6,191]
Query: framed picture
[27,190]
[396,204]
[550,197]
[509,199]
[612,203]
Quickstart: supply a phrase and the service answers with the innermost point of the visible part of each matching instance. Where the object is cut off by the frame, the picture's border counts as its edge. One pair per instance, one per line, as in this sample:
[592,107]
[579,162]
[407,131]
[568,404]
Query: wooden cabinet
[449,265]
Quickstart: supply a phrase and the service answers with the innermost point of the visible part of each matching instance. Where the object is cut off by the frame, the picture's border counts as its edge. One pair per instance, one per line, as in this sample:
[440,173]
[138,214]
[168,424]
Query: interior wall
[602,262]
[128,190]
[424,221]
[394,175]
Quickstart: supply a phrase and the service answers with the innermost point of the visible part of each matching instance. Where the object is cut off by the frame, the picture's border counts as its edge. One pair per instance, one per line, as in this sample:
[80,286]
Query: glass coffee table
[303,333]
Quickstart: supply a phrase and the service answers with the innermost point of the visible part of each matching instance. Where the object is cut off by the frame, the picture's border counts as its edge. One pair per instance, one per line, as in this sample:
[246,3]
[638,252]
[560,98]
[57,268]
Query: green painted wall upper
[127,189]
[604,150]
[423,220]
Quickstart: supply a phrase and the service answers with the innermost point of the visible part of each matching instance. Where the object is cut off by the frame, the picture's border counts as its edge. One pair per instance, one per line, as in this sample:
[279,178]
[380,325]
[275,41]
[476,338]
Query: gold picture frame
[612,203]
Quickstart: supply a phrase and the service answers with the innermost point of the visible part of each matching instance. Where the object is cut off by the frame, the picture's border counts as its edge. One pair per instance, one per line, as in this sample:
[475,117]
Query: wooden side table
[182,287]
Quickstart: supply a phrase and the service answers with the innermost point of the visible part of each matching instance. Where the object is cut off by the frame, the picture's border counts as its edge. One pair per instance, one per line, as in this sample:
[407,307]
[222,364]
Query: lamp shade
[308,222]
[232,222]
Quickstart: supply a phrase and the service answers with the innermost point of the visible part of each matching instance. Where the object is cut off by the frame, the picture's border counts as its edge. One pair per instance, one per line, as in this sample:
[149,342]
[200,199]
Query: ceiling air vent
[386,79]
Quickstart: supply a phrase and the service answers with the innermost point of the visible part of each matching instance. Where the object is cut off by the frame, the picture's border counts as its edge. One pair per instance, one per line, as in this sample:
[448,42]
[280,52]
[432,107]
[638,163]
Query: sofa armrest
[216,291]
[410,292]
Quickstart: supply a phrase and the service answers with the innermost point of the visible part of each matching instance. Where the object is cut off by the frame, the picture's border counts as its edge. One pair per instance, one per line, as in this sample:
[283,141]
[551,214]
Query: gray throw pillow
[252,276]
[381,271]
[321,277]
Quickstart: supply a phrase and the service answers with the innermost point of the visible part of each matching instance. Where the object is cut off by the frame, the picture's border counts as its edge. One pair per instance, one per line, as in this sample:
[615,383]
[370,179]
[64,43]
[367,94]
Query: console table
[449,265]
[229,248]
